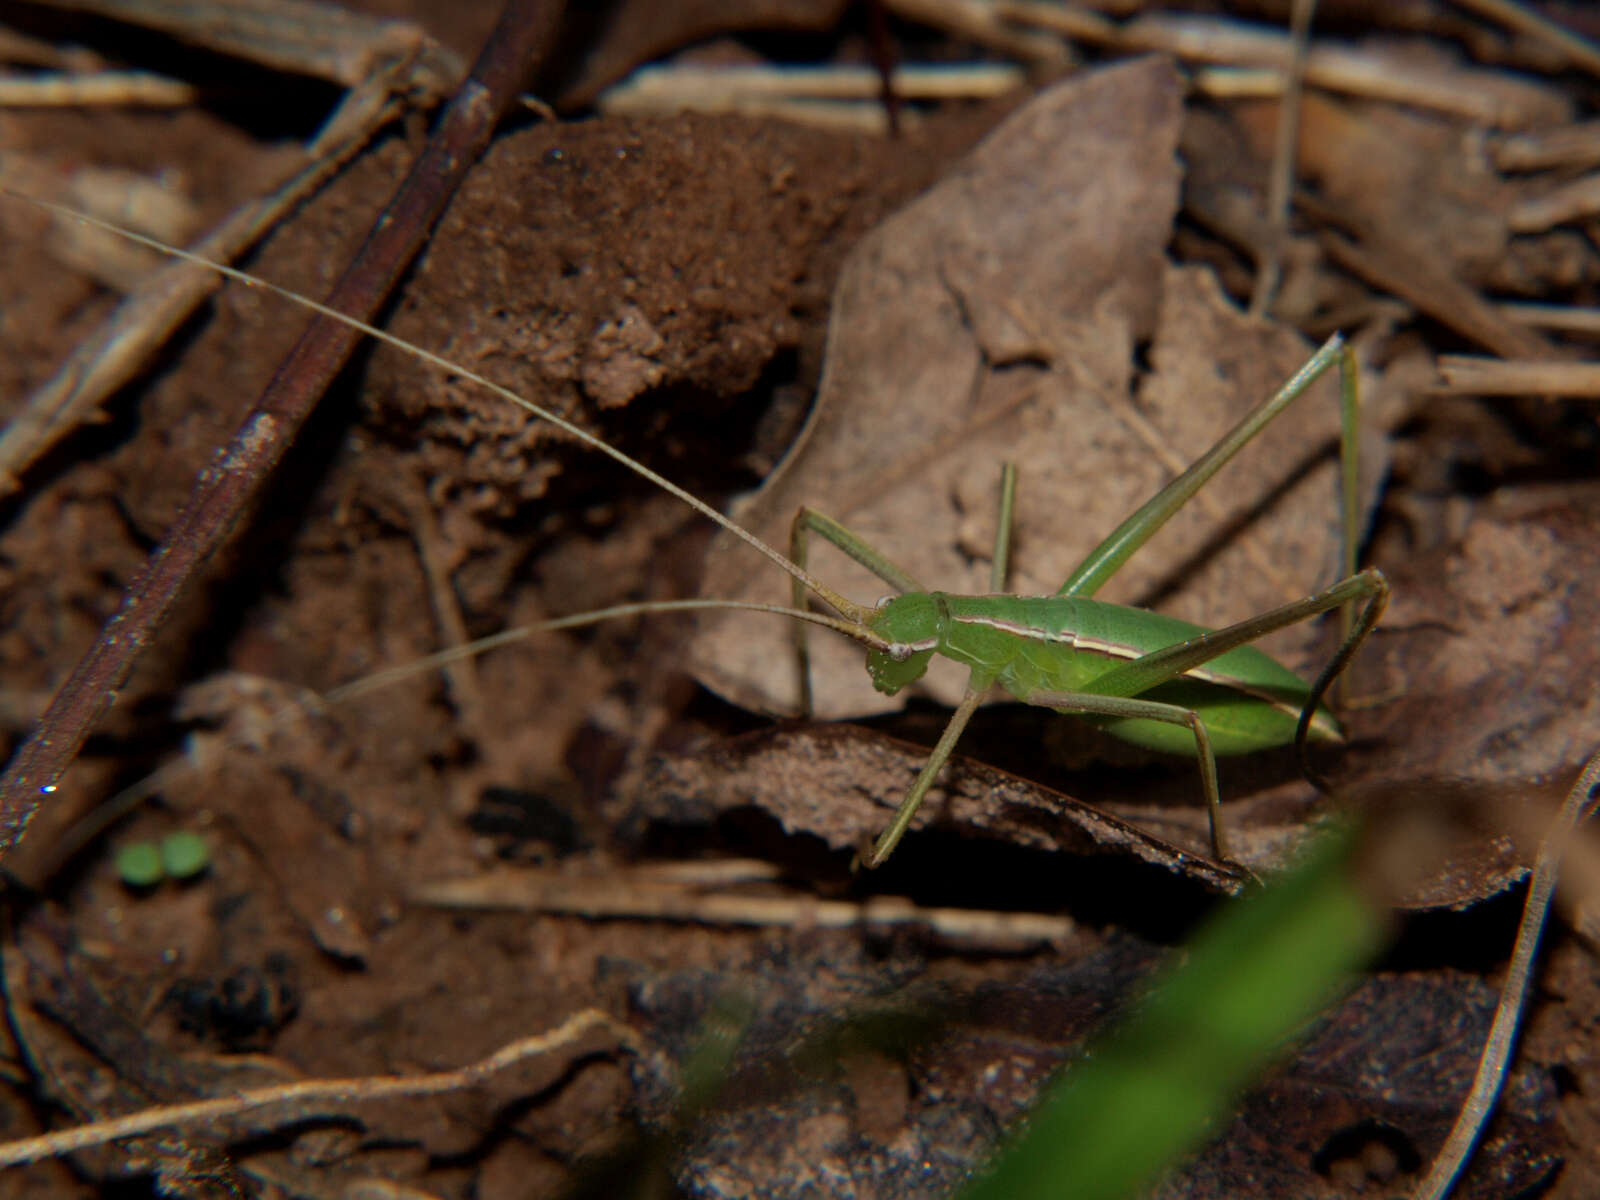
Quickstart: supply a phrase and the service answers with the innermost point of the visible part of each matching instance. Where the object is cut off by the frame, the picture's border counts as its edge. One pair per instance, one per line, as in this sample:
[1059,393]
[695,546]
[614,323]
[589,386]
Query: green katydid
[1150,679]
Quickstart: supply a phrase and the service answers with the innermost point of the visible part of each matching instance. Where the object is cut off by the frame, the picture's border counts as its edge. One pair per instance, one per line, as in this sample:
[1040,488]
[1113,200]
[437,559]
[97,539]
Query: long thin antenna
[392,675]
[857,613]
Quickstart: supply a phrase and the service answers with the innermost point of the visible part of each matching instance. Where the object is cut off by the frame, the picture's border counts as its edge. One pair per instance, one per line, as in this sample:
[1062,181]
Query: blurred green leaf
[1152,1088]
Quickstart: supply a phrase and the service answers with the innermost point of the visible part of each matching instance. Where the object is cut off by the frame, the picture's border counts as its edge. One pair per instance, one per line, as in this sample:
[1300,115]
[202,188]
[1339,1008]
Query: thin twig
[648,895]
[652,89]
[1579,50]
[1392,264]
[1496,1059]
[1077,24]
[1489,96]
[1285,155]
[1576,200]
[124,89]
[312,1091]
[1467,375]
[880,44]
[1564,318]
[1576,145]
[834,97]
[324,41]
[979,21]
[461,676]
[226,488]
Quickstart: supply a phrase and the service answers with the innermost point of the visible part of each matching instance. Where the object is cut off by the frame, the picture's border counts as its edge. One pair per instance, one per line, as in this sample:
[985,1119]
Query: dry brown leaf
[1486,673]
[1488,652]
[998,318]
[1402,172]
[841,783]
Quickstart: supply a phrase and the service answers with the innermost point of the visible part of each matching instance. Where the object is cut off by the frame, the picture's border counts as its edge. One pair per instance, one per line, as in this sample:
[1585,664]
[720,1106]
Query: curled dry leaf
[840,783]
[999,318]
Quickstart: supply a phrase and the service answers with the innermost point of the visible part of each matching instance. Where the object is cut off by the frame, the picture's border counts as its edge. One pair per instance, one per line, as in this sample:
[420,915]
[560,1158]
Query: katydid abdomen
[1031,645]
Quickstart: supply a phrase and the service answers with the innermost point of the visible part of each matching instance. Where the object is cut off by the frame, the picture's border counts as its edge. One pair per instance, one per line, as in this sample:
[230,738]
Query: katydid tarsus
[1149,679]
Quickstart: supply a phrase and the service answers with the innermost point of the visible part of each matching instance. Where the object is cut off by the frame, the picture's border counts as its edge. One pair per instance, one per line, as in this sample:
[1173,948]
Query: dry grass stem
[1280,182]
[295,1096]
[1573,201]
[124,88]
[1576,145]
[1079,24]
[983,23]
[1562,318]
[844,98]
[1496,1059]
[319,40]
[1478,94]
[1465,375]
[1519,17]
[1417,278]
[653,895]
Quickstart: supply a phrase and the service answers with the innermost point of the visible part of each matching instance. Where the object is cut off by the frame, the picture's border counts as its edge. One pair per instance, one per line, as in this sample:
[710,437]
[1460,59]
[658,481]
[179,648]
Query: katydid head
[913,625]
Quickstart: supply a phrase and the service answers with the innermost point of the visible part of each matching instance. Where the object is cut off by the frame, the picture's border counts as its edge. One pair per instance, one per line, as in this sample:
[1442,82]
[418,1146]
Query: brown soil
[665,283]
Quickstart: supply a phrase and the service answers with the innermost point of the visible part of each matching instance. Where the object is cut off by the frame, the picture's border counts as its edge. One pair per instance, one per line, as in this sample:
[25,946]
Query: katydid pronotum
[1149,679]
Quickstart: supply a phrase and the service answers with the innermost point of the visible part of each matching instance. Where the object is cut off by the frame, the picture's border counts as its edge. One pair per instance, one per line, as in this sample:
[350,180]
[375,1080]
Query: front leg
[806,522]
[890,837]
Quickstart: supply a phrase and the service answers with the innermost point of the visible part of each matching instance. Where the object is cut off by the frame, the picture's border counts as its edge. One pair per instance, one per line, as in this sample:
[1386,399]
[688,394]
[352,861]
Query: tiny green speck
[184,854]
[139,865]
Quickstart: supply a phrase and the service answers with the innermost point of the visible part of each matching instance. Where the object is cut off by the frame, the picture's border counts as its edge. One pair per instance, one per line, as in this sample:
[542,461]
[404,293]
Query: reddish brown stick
[226,487]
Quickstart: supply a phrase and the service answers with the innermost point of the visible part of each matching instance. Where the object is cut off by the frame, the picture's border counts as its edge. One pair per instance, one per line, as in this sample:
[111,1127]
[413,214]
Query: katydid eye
[883,602]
